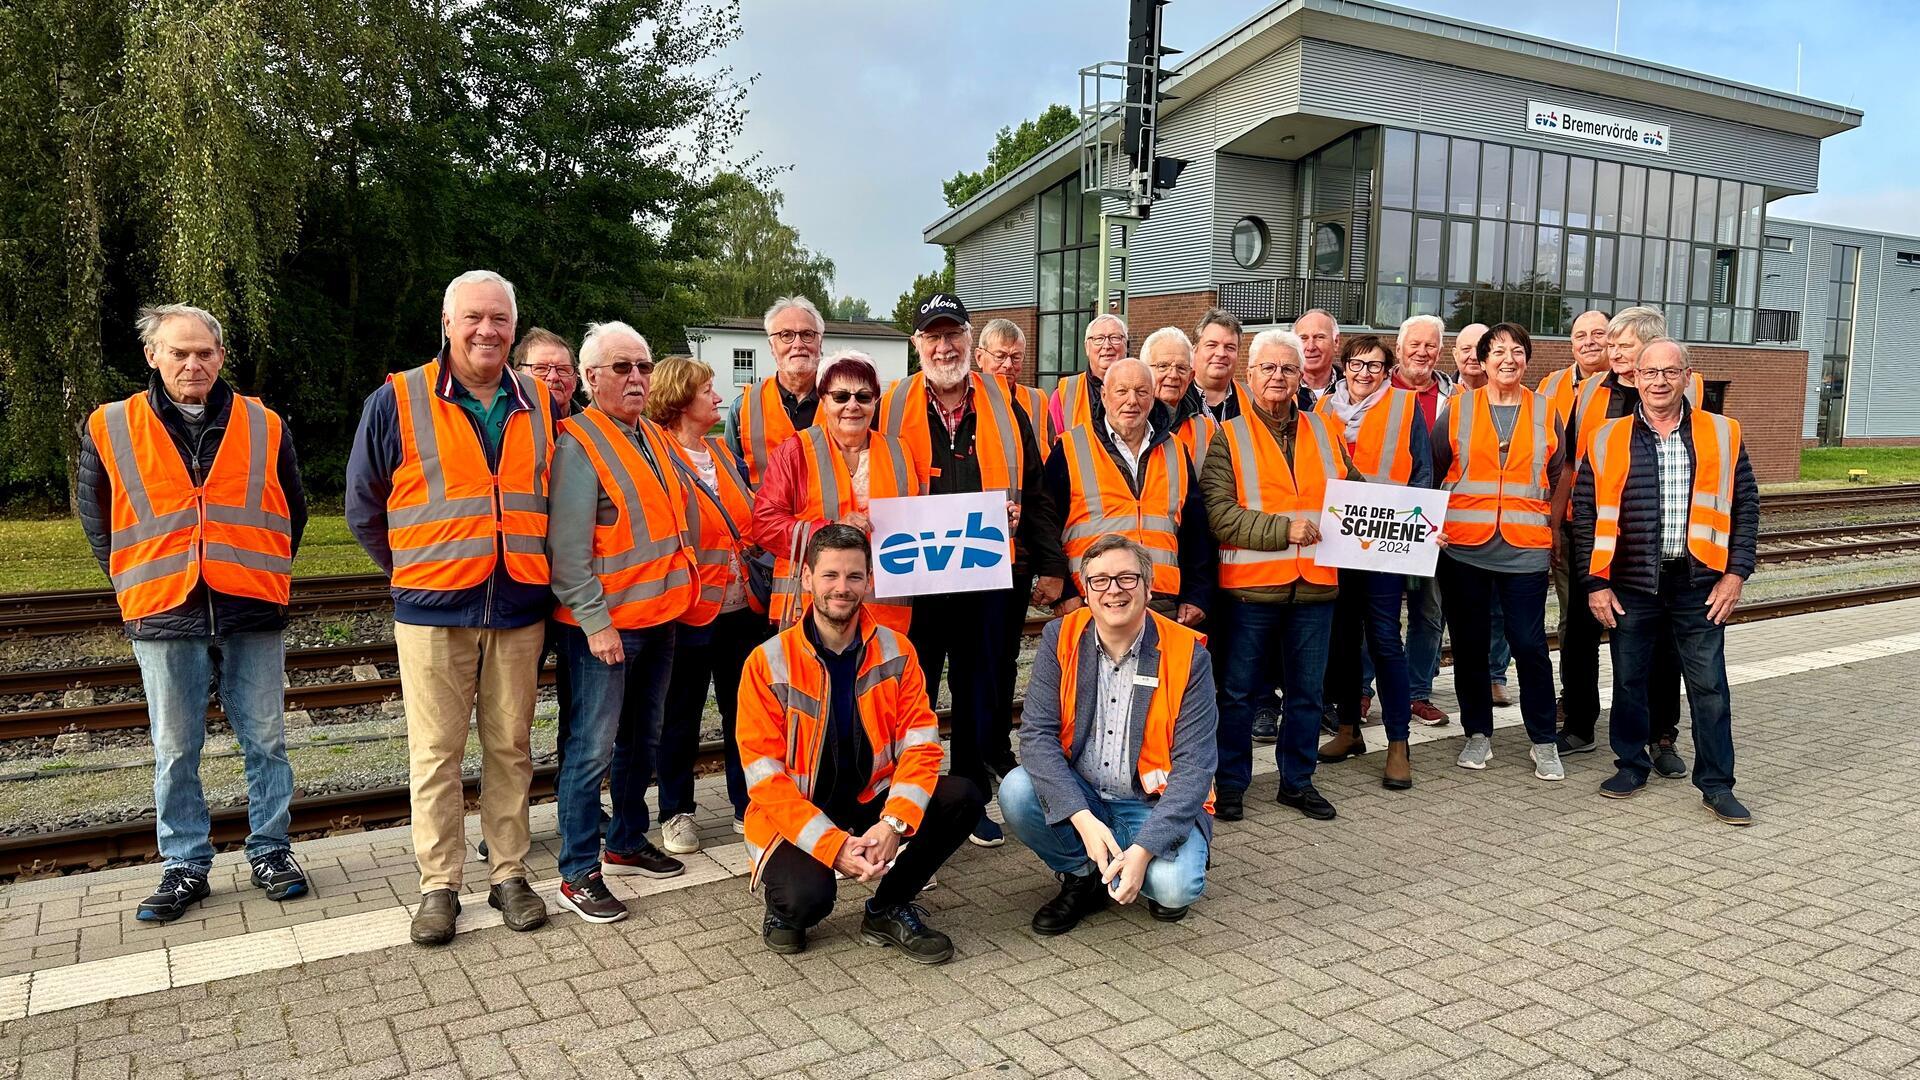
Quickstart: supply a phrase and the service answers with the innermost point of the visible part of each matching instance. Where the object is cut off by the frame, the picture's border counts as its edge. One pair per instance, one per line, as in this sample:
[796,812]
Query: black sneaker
[1162,913]
[1229,804]
[588,897]
[782,936]
[1080,895]
[277,873]
[1573,744]
[987,833]
[905,925]
[1308,801]
[180,888]
[1667,761]
[646,861]
[1266,725]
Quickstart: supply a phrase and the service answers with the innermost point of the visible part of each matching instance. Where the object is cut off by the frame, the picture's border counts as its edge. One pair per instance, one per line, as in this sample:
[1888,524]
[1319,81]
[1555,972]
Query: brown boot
[1398,775]
[1348,743]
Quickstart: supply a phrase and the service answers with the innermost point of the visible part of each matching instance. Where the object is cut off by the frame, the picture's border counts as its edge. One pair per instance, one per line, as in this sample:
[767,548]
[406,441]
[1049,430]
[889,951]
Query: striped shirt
[1104,761]
[1676,489]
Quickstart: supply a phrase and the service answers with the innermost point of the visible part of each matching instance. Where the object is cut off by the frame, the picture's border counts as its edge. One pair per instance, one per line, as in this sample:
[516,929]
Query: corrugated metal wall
[995,267]
[1166,258]
[1340,80]
[1263,188]
[1893,378]
[1883,380]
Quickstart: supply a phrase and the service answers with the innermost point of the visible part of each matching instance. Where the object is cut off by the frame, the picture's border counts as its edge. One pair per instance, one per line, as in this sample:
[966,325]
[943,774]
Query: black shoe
[1229,804]
[904,925]
[433,921]
[1622,785]
[588,897]
[1329,721]
[482,848]
[1570,743]
[1308,801]
[987,833]
[1667,761]
[1166,914]
[180,888]
[1727,808]
[1080,895]
[277,873]
[1266,725]
[782,936]
[646,861]
[520,907]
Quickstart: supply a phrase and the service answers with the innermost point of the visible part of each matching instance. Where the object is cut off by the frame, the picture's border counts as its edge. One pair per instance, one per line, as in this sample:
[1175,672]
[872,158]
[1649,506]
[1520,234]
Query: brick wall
[1028,320]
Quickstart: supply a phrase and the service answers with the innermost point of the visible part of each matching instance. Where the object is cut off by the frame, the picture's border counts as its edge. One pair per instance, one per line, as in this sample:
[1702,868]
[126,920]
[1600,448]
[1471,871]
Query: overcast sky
[874,103]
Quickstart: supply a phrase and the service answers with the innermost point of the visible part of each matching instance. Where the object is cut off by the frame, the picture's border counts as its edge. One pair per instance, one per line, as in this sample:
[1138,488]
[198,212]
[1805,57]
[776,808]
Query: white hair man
[1263,482]
[1076,400]
[452,504]
[770,411]
[1319,338]
[967,428]
[190,497]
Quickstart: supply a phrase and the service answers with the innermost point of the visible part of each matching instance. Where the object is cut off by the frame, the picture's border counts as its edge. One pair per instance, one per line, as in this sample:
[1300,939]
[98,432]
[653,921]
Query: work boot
[433,922]
[520,906]
[1398,775]
[1348,743]
[1080,896]
[904,926]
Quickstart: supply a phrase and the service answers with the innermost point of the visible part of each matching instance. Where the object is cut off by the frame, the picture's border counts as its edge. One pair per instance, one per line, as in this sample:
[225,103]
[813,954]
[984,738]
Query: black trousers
[1580,672]
[801,890]
[702,655]
[965,634]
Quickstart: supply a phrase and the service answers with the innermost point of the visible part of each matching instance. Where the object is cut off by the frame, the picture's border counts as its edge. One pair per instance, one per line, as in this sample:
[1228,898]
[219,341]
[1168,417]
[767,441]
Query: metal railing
[1277,300]
[1776,326]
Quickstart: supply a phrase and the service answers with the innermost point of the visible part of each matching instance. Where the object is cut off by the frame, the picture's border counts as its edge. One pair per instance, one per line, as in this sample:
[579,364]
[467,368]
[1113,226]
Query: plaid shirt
[1104,761]
[1676,489]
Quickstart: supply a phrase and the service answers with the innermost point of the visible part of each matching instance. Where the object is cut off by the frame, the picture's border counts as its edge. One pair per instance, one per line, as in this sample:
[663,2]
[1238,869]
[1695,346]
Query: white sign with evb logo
[926,544]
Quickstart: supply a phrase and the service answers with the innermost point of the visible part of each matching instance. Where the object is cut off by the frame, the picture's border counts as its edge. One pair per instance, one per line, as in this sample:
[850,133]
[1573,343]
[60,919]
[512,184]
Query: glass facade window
[1463,178]
[1679,226]
[1525,180]
[1069,273]
[1659,199]
[1430,184]
[1580,193]
[1633,197]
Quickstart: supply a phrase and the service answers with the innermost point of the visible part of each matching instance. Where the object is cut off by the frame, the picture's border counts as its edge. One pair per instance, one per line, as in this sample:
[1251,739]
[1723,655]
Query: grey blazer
[1195,753]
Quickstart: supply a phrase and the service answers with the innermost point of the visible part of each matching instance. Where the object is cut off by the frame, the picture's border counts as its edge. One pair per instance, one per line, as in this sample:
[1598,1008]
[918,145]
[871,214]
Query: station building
[1379,162]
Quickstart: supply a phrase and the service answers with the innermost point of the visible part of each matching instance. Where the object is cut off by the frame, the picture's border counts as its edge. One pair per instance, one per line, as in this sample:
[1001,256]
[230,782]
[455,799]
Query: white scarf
[1351,412]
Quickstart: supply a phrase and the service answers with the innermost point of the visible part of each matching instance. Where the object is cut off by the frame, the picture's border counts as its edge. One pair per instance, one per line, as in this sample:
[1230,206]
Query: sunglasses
[841,397]
[624,368]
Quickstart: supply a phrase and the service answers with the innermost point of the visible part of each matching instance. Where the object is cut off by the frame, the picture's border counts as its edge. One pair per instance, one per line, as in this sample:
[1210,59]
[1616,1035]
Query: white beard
[945,376]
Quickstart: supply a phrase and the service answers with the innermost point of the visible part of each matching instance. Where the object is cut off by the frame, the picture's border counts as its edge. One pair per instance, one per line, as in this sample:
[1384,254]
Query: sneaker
[740,826]
[1308,801]
[1329,721]
[1569,743]
[482,849]
[1621,785]
[1476,754]
[1425,712]
[679,835]
[1366,706]
[904,926]
[277,873]
[588,897]
[1667,761]
[1266,725]
[646,861]
[1727,808]
[782,936]
[987,833]
[181,887]
[1546,762]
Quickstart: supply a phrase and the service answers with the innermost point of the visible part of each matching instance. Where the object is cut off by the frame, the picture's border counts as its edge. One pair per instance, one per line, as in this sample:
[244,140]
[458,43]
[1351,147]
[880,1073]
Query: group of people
[1164,507]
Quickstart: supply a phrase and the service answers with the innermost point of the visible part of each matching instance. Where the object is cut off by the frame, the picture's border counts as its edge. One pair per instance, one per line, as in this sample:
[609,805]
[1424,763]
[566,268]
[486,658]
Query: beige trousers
[449,675]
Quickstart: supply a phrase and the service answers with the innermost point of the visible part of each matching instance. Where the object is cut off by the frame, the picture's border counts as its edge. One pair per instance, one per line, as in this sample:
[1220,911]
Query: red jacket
[782,492]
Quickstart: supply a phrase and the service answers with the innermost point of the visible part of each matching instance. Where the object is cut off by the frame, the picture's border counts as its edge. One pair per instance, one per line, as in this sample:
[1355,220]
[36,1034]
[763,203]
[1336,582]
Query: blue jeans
[176,674]
[1172,882]
[1679,609]
[1272,645]
[618,710]
[1366,627]
[1424,628]
[1522,610]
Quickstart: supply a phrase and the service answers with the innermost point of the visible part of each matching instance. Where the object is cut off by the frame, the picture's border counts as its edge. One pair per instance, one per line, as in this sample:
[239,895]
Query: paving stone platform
[1481,925]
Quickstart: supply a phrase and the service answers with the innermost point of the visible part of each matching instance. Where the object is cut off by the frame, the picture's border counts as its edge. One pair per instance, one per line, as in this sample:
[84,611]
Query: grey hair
[598,333]
[473,277]
[788,303]
[1217,316]
[1268,338]
[1439,328]
[154,316]
[1122,542]
[1112,318]
[1166,333]
[1002,329]
[1323,313]
[1646,323]
[1686,357]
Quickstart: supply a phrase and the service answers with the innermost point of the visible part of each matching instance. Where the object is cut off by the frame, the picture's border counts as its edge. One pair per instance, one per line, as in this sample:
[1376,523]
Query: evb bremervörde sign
[940,544]
[1382,527]
[1585,124]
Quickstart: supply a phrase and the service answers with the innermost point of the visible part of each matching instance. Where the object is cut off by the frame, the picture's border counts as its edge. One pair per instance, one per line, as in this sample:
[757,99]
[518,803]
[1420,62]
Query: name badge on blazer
[1146,680]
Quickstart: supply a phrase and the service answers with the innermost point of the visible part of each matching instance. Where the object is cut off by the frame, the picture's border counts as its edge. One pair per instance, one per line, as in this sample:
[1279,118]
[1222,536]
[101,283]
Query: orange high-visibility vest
[1594,395]
[1177,645]
[233,529]
[1488,495]
[891,474]
[450,513]
[1716,453]
[996,432]
[764,425]
[645,558]
[1380,450]
[1561,388]
[782,731]
[1100,501]
[723,515]
[1265,481]
[1196,434]
[1076,402]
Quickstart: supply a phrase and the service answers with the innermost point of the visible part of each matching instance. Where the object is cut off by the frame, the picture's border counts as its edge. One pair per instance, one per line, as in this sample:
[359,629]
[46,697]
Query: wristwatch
[899,827]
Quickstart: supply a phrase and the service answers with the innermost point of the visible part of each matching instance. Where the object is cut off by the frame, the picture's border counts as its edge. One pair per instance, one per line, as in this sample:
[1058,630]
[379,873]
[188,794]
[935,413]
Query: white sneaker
[1546,762]
[679,835]
[1476,754]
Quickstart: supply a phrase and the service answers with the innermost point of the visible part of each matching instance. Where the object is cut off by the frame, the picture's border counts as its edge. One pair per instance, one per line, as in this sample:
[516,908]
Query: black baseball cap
[937,307]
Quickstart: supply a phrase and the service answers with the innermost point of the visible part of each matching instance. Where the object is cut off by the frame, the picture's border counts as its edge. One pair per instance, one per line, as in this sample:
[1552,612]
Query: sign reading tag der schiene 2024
[940,544]
[1381,527]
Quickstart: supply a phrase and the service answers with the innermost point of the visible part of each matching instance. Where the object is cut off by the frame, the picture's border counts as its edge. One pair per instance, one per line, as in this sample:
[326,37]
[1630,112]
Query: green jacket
[1236,525]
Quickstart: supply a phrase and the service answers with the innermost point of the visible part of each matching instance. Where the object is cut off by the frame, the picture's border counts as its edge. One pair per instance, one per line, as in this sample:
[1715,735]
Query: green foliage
[850,309]
[939,281]
[1012,148]
[756,258]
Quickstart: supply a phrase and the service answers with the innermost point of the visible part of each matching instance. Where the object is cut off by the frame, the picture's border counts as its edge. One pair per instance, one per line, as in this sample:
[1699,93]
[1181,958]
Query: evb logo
[978,545]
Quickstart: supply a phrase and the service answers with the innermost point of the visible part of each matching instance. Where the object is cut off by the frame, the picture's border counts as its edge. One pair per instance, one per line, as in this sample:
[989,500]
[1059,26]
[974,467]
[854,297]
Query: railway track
[1885,495]
[37,853]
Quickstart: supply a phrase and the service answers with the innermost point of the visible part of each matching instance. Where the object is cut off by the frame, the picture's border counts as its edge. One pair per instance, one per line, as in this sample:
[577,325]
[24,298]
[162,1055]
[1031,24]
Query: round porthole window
[1249,242]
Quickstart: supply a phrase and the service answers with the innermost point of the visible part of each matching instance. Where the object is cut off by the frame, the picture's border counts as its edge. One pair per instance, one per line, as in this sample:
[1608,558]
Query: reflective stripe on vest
[764,425]
[1716,455]
[1196,434]
[1076,402]
[724,516]
[167,534]
[827,494]
[1490,494]
[1380,451]
[1100,501]
[1177,645]
[1265,482]
[645,558]
[997,445]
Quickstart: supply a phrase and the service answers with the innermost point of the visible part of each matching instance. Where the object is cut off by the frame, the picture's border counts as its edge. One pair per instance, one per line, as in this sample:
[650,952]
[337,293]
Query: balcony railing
[1279,300]
[1776,326]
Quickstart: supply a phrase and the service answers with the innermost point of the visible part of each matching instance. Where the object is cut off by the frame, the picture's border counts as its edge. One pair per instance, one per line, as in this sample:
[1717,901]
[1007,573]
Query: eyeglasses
[788,337]
[1177,369]
[944,337]
[1371,367]
[1005,356]
[1104,582]
[547,371]
[624,368]
[1662,374]
[1291,371]
[841,397]
[1107,339]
